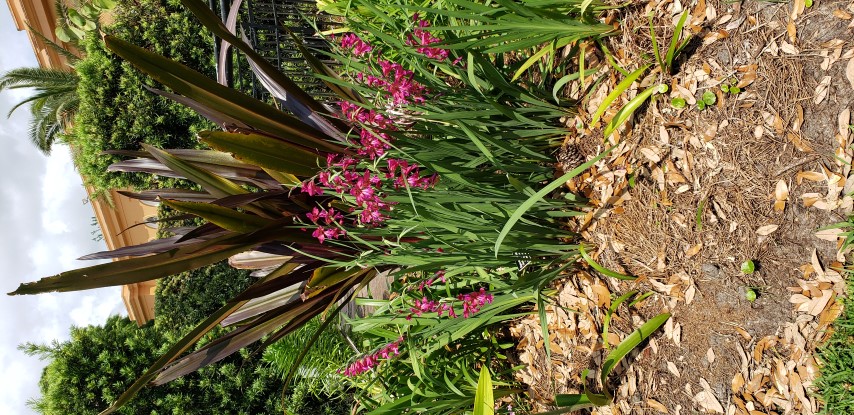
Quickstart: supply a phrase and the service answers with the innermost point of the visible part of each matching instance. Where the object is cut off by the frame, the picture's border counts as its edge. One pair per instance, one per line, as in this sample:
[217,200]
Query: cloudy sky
[45,225]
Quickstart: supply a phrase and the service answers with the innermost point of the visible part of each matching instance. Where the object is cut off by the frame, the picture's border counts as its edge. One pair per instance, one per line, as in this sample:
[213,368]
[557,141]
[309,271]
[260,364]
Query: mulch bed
[688,195]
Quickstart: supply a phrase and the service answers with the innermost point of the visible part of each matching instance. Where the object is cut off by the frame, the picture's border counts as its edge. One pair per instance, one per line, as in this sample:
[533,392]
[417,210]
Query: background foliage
[84,375]
[116,111]
[185,299]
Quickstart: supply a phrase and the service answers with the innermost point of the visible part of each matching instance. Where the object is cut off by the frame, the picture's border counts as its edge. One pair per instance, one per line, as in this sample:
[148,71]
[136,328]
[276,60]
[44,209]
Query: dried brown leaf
[766,230]
[842,14]
[843,123]
[821,90]
[658,406]
[694,250]
[812,176]
[671,367]
[603,295]
[737,383]
[789,48]
[829,234]
[849,72]
[706,398]
[799,142]
[651,154]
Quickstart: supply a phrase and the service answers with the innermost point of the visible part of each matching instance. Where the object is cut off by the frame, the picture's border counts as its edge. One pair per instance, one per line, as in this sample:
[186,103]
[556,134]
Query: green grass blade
[528,204]
[568,78]
[655,50]
[626,112]
[671,51]
[571,402]
[619,90]
[607,322]
[630,343]
[595,265]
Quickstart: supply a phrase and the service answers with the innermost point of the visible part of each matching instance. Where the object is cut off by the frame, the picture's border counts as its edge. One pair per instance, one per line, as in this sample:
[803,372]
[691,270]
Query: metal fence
[266,23]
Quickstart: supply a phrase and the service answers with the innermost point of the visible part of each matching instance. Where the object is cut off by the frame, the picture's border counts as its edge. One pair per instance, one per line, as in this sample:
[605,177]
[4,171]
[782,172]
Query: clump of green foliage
[318,388]
[116,111]
[454,205]
[92,369]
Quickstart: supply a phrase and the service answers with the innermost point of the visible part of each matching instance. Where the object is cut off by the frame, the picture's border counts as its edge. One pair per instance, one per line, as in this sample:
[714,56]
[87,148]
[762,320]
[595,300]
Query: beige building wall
[126,224]
[117,221]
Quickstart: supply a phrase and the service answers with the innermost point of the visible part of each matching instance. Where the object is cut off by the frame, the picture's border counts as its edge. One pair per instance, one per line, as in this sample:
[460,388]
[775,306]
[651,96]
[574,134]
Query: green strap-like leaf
[325,277]
[215,185]
[140,269]
[618,90]
[221,216]
[528,204]
[626,112]
[630,343]
[484,404]
[266,152]
[595,265]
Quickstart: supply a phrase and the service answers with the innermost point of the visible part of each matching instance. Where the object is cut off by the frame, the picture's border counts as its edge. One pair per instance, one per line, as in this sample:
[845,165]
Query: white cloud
[59,181]
[46,226]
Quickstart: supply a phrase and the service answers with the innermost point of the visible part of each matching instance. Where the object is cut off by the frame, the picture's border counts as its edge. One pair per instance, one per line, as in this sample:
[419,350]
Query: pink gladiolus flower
[322,233]
[331,218]
[355,44]
[424,38]
[311,188]
[474,301]
[370,361]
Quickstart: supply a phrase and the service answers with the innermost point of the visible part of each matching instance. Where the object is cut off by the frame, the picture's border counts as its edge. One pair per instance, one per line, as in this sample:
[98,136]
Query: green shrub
[181,301]
[302,401]
[86,373]
[116,111]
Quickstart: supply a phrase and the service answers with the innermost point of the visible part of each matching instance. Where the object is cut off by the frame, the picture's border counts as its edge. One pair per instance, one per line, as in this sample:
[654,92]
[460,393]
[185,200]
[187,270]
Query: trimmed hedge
[117,112]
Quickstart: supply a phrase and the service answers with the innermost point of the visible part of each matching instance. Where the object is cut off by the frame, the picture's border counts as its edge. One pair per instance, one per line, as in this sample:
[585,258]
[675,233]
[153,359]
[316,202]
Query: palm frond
[53,104]
[38,78]
[39,96]
[71,57]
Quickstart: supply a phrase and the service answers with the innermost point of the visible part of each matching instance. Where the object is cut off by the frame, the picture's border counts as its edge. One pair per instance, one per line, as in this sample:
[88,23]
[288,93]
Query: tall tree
[53,103]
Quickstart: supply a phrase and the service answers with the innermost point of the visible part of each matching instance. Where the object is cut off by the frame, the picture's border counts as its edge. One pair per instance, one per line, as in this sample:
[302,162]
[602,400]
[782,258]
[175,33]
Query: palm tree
[55,99]
[53,104]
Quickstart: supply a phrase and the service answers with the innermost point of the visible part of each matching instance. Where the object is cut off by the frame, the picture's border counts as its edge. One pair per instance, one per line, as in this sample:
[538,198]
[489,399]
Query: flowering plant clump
[370,361]
[364,185]
[423,166]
